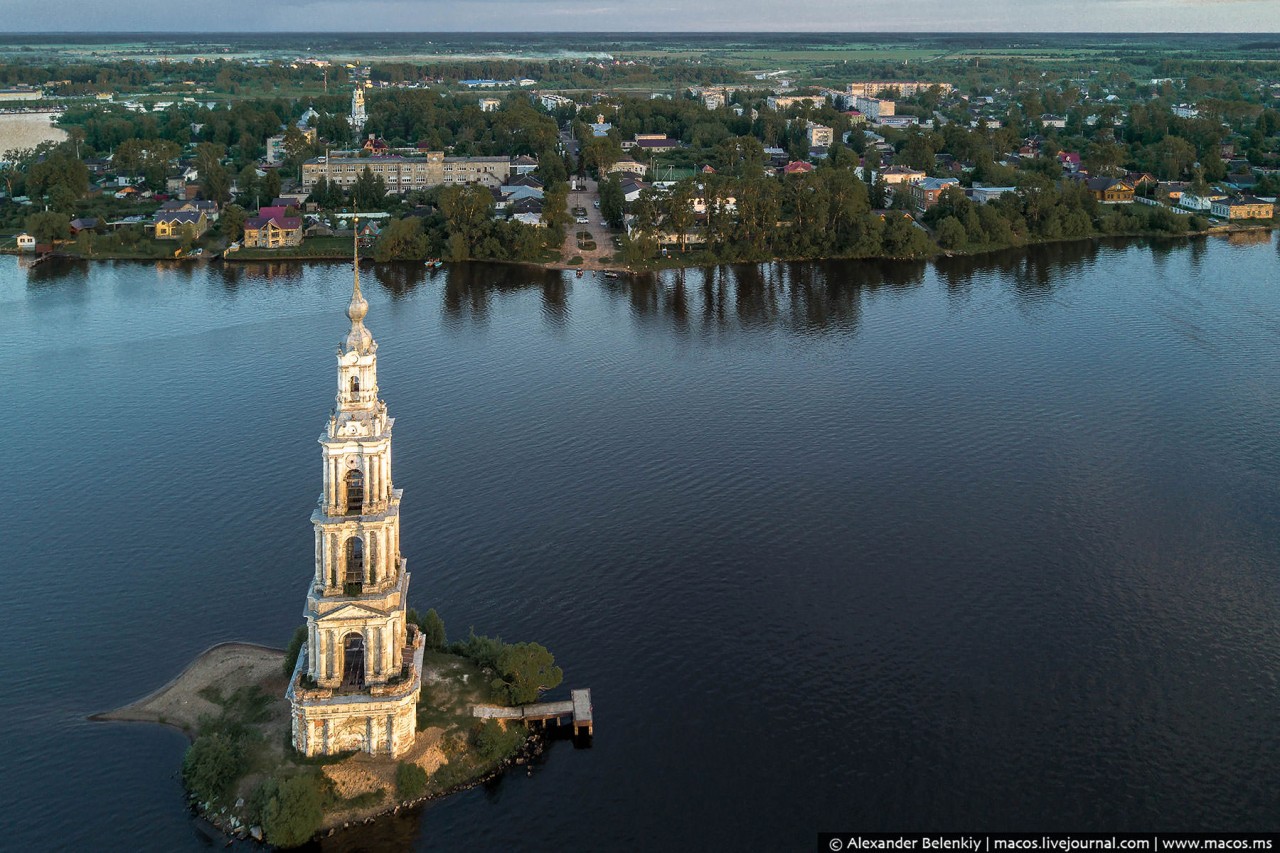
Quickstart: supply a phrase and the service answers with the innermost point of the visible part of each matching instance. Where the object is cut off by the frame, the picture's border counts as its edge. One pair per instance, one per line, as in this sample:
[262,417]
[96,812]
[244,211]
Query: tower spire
[359,338]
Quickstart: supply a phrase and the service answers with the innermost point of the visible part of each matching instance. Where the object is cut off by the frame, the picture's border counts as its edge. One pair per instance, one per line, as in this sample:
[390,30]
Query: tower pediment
[352,611]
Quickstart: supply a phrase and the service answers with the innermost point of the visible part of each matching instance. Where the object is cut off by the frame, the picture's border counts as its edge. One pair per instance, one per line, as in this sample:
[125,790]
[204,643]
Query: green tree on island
[526,669]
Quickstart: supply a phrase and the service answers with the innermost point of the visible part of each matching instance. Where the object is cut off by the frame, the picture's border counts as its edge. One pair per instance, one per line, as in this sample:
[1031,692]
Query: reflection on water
[822,539]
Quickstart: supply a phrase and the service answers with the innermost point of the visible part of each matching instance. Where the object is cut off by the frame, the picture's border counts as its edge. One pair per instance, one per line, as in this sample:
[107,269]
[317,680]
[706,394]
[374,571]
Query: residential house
[170,225]
[527,211]
[87,223]
[208,208]
[1140,179]
[1069,161]
[1049,120]
[1110,190]
[523,165]
[26,243]
[925,193]
[797,167]
[369,233]
[1247,207]
[272,230]
[1193,201]
[631,189]
[901,175]
[515,193]
[376,146]
[982,195]
[525,181]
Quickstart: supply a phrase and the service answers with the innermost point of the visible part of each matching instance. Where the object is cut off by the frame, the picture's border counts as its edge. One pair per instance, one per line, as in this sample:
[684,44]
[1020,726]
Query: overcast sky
[638,15]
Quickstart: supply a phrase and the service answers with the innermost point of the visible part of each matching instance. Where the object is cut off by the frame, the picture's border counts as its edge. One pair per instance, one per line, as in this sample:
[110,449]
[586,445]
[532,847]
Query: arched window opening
[353,661]
[355,491]
[355,384]
[353,583]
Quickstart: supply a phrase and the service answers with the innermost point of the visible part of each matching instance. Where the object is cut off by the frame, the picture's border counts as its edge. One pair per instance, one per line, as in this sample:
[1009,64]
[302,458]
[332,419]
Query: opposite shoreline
[673,262]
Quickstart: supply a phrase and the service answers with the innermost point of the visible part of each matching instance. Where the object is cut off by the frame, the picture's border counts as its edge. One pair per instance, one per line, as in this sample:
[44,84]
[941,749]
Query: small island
[369,709]
[245,777]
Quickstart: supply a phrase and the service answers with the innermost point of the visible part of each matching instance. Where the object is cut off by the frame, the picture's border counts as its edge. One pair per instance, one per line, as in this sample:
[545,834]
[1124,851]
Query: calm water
[983,545]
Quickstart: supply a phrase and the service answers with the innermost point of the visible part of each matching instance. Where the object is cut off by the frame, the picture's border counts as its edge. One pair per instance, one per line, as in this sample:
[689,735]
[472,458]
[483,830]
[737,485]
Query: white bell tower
[357,681]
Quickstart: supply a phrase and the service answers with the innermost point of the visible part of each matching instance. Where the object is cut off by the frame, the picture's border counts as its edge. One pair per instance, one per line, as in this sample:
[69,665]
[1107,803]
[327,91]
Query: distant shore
[674,260]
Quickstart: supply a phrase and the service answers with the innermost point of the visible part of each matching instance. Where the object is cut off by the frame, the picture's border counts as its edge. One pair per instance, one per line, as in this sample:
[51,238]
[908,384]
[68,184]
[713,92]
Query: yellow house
[273,232]
[169,225]
[1245,208]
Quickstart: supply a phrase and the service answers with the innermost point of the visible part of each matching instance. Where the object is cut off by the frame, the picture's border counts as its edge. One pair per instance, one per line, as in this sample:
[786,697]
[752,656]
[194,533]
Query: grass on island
[243,772]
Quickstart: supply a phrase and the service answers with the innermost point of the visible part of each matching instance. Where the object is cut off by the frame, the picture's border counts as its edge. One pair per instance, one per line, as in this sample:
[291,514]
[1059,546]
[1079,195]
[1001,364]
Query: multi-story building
[818,135]
[874,108]
[785,102]
[402,174]
[490,105]
[900,88]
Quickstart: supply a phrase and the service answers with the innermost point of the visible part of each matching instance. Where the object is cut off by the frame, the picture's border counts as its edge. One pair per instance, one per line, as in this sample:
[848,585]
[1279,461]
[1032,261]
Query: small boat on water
[578,273]
[611,275]
[434,263]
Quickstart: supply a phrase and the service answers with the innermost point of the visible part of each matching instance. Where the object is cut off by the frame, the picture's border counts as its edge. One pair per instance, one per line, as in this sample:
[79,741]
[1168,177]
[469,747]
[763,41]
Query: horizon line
[640,32]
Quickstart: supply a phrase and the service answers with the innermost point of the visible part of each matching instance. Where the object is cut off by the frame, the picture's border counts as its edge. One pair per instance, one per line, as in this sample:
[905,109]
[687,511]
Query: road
[587,194]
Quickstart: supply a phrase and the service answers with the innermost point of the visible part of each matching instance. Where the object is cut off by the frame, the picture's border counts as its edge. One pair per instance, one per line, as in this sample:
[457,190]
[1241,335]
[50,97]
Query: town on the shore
[217,158]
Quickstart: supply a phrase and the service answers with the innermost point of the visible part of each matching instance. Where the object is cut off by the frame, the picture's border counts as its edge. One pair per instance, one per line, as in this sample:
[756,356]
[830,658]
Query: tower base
[379,720]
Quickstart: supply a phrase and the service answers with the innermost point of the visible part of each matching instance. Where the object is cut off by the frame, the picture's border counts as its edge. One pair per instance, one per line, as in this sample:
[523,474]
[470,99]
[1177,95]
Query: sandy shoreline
[224,666]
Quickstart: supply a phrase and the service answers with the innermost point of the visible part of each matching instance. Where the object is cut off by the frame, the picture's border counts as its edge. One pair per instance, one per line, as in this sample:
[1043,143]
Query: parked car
[582,220]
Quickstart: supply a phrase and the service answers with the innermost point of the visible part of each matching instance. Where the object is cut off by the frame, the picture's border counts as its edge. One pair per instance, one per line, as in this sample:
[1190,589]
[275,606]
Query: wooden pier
[578,708]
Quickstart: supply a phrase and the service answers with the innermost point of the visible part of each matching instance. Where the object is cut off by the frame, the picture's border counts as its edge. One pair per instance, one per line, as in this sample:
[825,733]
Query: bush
[293,810]
[294,649]
[492,741]
[411,780]
[433,630]
[212,765]
[481,649]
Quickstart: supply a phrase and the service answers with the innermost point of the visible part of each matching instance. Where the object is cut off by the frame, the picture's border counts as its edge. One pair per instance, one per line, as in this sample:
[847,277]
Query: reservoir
[982,544]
